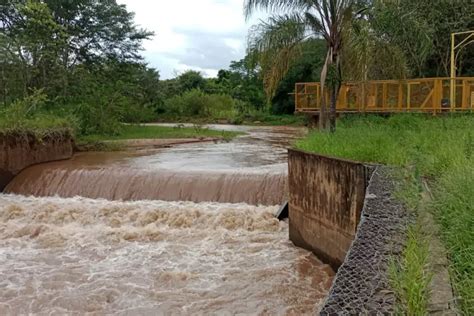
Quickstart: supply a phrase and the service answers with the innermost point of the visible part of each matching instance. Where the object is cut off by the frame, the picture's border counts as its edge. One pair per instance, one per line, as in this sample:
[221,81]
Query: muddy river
[173,231]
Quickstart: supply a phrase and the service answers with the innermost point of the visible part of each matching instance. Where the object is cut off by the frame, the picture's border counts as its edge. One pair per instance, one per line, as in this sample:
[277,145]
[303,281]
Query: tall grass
[454,209]
[409,276]
[439,149]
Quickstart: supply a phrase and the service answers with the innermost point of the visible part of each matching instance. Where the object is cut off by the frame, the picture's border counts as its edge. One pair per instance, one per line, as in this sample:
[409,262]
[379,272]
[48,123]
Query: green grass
[454,209]
[409,276]
[275,120]
[438,149]
[159,132]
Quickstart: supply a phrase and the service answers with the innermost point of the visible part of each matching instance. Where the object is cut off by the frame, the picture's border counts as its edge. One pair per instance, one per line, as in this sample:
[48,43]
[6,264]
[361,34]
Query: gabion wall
[361,285]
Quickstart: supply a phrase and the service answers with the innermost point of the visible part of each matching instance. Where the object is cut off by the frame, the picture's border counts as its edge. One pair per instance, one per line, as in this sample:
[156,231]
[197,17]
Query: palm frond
[316,25]
[277,66]
[273,6]
[277,43]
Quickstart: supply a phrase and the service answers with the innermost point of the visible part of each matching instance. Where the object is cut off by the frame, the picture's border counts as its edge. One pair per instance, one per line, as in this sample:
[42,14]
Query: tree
[401,24]
[415,35]
[45,40]
[83,54]
[33,41]
[279,41]
[370,54]
[444,18]
[307,67]
[190,80]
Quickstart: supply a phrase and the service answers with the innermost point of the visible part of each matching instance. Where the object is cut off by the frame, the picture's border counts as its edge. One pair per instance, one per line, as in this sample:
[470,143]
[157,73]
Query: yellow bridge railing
[431,95]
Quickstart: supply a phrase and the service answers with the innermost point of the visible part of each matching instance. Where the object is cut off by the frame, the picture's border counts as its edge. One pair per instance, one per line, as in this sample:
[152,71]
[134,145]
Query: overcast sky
[203,35]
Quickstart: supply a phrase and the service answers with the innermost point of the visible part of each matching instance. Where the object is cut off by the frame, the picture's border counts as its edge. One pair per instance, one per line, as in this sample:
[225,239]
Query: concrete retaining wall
[326,200]
[362,285]
[18,151]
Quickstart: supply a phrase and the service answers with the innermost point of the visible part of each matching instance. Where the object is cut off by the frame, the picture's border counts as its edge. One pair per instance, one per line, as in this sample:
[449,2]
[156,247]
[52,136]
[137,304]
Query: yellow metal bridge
[427,95]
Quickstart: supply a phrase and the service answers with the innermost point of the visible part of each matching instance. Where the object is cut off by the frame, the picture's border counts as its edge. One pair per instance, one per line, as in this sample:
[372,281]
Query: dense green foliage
[83,58]
[82,55]
[418,35]
[371,39]
[195,103]
[25,116]
[438,149]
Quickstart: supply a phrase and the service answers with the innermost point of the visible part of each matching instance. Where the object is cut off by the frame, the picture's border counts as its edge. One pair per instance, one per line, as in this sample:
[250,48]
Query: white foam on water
[80,255]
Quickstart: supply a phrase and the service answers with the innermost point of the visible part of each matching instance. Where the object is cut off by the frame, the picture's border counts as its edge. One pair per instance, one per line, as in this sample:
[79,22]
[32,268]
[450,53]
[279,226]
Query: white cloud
[203,35]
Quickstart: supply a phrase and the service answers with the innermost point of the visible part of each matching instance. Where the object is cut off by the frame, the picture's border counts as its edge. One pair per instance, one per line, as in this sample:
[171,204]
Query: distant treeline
[80,60]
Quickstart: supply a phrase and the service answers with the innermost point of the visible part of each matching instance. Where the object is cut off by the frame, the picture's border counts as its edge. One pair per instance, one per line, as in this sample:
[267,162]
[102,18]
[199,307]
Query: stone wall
[18,151]
[326,199]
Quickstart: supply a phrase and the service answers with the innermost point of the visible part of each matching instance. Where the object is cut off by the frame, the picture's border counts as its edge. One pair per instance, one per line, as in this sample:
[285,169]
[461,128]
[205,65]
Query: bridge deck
[427,95]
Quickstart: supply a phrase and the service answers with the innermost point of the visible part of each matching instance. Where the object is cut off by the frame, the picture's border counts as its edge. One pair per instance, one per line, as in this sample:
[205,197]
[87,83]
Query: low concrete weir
[249,169]
[134,184]
[326,200]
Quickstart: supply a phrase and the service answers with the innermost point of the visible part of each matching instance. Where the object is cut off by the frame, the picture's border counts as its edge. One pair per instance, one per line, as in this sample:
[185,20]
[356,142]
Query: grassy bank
[158,132]
[40,125]
[437,149]
[257,118]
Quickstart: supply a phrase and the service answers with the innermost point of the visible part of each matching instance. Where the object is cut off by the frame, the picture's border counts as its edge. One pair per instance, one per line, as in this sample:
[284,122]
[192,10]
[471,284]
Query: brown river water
[186,251]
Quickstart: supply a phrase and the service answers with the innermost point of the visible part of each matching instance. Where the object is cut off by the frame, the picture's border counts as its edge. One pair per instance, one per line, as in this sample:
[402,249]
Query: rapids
[80,255]
[153,232]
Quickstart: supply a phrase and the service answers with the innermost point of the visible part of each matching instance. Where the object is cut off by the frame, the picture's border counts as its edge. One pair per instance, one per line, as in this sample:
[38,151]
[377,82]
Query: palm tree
[278,41]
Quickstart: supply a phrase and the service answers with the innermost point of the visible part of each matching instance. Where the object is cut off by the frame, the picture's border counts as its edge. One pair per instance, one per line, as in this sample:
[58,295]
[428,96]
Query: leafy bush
[137,114]
[27,116]
[98,119]
[196,103]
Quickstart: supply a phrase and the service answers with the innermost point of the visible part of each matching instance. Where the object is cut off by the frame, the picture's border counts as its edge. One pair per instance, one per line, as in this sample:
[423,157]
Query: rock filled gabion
[362,283]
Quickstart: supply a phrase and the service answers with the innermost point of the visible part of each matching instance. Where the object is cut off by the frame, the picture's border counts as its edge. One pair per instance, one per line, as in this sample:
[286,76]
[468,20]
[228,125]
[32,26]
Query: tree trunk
[323,113]
[332,111]
[4,86]
[335,94]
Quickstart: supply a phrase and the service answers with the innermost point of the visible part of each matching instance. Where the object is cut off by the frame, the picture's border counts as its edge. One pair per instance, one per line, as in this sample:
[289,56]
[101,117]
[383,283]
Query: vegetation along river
[182,230]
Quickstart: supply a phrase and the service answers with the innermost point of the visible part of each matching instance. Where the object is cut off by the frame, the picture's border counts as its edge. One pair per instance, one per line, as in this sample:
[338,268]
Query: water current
[165,242]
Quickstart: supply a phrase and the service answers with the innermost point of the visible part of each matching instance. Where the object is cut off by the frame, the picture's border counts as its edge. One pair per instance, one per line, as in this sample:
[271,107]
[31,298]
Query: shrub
[28,115]
[98,118]
[195,103]
[137,114]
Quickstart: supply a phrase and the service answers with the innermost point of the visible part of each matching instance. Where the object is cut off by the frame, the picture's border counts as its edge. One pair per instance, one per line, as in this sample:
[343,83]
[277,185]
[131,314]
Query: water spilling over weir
[187,250]
[250,169]
[128,183]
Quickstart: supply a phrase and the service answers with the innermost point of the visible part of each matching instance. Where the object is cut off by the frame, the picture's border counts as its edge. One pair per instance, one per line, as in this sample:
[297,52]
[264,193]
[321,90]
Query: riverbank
[131,135]
[19,150]
[258,119]
[438,151]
